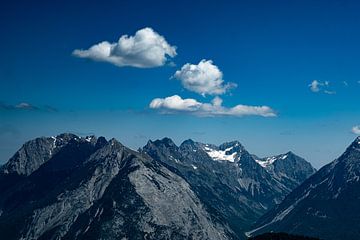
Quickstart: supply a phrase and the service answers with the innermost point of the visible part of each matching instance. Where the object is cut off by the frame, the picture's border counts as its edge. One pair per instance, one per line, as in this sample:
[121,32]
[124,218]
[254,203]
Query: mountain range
[71,187]
[229,181]
[326,205]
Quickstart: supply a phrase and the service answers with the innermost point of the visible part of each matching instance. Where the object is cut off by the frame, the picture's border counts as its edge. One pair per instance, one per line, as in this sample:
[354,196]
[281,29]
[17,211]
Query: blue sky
[271,51]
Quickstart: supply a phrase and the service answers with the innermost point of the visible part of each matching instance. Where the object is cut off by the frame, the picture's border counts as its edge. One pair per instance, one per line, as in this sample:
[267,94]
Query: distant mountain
[288,168]
[233,185]
[67,187]
[327,205]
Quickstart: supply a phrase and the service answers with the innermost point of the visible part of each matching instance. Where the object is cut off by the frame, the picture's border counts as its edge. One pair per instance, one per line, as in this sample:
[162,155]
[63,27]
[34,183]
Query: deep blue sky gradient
[271,49]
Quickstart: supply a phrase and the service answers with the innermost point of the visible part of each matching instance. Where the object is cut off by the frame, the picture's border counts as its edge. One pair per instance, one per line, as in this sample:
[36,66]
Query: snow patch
[53,146]
[88,138]
[175,159]
[220,155]
[270,160]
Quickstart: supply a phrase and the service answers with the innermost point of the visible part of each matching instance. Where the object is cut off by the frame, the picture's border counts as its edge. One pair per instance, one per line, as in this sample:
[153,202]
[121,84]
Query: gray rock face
[88,188]
[164,194]
[227,179]
[36,152]
[326,205]
[290,169]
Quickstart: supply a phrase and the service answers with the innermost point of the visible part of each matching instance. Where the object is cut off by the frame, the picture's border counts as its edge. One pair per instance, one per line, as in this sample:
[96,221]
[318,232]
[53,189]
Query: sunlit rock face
[67,187]
[230,181]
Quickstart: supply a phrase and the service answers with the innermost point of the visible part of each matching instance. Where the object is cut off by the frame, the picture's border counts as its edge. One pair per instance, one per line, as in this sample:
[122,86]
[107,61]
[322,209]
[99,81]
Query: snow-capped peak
[220,155]
[266,162]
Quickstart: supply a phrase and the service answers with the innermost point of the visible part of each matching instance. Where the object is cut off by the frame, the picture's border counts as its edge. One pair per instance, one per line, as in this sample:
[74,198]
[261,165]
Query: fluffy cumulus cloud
[176,104]
[145,49]
[203,78]
[319,86]
[356,130]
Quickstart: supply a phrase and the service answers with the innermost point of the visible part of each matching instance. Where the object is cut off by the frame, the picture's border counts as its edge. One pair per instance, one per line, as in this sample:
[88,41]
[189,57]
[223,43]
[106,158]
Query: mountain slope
[228,180]
[95,189]
[288,168]
[209,180]
[326,205]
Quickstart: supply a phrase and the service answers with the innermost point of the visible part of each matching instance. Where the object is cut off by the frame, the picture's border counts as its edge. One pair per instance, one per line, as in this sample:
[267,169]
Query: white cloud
[319,86]
[175,104]
[315,85]
[145,49]
[26,106]
[329,92]
[356,130]
[203,78]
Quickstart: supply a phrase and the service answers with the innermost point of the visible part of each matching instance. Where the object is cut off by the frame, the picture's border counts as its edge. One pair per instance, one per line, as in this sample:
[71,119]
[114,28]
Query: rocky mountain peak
[101,141]
[189,142]
[234,144]
[36,152]
[66,136]
[318,203]
[351,157]
[356,144]
[191,146]
[290,153]
[113,146]
[166,142]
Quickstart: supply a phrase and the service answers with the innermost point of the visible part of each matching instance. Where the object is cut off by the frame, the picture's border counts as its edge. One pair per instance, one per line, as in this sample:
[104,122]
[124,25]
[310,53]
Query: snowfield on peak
[270,160]
[221,155]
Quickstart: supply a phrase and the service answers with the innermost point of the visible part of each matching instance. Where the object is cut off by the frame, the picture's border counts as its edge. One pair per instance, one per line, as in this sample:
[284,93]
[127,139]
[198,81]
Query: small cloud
[176,104]
[315,86]
[329,92]
[345,83]
[146,49]
[24,106]
[203,78]
[319,86]
[356,130]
